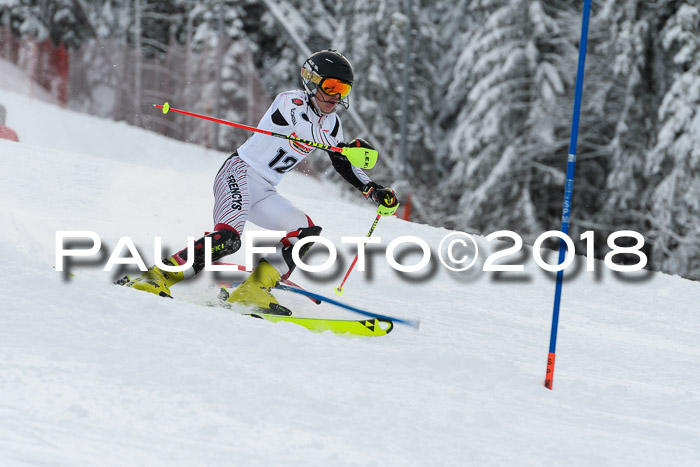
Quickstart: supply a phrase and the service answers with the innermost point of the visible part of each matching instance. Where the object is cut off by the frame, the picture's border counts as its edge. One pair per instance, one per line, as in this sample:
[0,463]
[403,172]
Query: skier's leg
[274,212]
[278,213]
[232,202]
[235,190]
[225,241]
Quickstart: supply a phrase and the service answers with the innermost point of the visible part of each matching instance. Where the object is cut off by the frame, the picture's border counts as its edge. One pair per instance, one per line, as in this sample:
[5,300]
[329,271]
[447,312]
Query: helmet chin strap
[314,101]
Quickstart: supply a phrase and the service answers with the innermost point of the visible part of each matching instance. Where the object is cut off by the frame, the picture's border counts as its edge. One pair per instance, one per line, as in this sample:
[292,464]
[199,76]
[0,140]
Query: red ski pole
[381,211]
[363,158]
[339,289]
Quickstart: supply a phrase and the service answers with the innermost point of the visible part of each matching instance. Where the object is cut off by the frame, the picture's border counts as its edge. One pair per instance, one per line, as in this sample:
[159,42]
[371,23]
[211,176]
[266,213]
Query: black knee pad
[290,240]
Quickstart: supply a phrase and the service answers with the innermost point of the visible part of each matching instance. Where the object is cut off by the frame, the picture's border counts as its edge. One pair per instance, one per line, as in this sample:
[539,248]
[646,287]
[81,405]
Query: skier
[245,186]
[6,132]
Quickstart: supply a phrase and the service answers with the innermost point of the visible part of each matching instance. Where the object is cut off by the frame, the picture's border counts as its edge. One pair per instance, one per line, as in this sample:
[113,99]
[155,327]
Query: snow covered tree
[631,25]
[673,165]
[373,36]
[28,18]
[240,97]
[160,23]
[62,21]
[274,51]
[504,105]
[651,46]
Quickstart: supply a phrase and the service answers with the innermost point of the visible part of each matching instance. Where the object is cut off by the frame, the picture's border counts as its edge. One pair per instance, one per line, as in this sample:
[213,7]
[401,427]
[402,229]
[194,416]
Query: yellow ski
[367,327]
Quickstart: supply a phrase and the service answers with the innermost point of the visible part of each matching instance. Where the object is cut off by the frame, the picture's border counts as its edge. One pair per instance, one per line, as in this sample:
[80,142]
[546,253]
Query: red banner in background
[51,70]
[44,63]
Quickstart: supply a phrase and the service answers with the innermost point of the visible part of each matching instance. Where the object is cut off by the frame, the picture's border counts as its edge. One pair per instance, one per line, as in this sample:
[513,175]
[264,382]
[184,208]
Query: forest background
[480,143]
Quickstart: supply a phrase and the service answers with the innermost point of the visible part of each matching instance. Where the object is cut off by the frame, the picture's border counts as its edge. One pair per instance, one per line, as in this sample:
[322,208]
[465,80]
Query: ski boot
[225,241]
[155,280]
[255,290]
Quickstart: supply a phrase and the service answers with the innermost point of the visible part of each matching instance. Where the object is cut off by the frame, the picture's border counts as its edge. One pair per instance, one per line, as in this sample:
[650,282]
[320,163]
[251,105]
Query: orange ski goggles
[330,86]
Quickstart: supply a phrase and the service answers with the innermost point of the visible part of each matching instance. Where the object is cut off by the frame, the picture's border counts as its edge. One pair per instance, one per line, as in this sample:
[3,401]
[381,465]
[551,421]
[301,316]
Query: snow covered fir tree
[490,89]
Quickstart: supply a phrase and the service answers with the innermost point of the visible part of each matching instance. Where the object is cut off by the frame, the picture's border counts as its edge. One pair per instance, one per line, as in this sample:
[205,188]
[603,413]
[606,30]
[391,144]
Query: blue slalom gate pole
[568,192]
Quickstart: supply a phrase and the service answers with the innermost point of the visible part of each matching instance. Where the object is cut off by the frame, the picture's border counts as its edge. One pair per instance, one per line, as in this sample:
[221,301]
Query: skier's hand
[384,196]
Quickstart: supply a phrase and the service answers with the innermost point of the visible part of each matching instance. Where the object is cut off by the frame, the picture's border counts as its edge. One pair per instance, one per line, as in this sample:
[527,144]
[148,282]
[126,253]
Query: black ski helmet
[326,64]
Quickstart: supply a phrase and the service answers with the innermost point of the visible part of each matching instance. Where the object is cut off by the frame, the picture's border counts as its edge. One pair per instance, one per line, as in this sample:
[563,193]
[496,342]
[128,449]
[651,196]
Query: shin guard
[224,241]
[288,242]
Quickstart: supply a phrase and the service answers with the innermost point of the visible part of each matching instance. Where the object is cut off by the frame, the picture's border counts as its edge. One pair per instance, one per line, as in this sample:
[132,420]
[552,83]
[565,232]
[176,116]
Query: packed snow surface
[95,374]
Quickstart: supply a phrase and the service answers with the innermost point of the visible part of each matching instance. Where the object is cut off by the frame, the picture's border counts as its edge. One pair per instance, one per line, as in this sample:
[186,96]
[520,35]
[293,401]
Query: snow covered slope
[17,80]
[94,374]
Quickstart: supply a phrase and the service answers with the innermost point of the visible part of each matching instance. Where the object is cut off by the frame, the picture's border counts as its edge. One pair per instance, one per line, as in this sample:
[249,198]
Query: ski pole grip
[363,158]
[387,211]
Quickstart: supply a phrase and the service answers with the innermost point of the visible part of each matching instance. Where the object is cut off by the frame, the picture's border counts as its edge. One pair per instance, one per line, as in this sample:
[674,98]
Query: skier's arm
[359,179]
[353,175]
